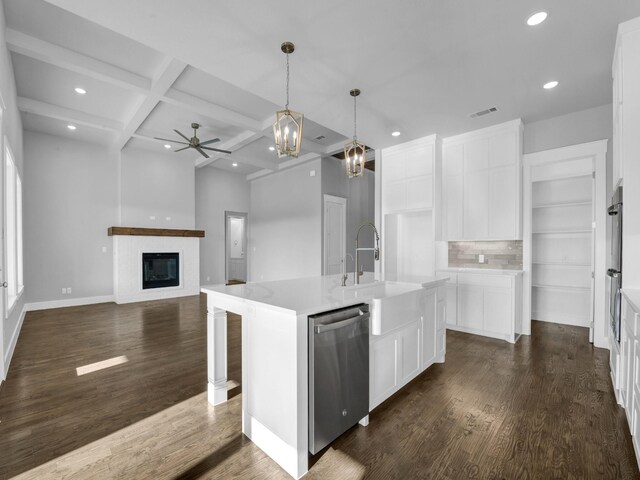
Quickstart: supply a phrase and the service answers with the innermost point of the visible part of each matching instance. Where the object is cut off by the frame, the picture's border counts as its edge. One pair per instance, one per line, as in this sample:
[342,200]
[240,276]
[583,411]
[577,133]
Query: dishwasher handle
[343,323]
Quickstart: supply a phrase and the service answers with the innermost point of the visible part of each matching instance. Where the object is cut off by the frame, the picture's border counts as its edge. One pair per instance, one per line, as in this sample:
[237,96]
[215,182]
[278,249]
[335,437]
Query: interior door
[335,234]
[236,247]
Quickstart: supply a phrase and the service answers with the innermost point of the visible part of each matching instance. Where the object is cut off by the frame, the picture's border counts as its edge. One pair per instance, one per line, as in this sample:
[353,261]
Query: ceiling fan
[194,142]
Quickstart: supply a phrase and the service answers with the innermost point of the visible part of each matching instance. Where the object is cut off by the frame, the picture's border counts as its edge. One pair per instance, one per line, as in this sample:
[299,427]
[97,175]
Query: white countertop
[314,294]
[482,271]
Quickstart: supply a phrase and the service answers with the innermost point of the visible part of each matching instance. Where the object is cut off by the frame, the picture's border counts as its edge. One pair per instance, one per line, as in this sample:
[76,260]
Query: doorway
[334,233]
[235,247]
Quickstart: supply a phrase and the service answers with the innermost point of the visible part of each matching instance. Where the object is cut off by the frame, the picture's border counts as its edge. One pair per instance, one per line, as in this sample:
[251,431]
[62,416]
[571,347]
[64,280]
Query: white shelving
[562,246]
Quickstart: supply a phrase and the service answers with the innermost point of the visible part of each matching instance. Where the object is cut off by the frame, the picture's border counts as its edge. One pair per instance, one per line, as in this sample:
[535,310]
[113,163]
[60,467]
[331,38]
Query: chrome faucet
[376,249]
[345,275]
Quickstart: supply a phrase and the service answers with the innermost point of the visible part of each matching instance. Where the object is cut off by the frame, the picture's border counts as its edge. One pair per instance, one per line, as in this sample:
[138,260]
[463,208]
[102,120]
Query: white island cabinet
[407,336]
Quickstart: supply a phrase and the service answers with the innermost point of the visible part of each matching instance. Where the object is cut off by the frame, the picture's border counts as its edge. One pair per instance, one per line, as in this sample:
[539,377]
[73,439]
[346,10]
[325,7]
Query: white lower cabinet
[625,364]
[398,356]
[497,310]
[470,306]
[383,380]
[410,350]
[484,304]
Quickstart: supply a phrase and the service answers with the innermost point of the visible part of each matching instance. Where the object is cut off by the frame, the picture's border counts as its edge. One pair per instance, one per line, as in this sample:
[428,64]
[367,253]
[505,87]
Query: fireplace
[160,270]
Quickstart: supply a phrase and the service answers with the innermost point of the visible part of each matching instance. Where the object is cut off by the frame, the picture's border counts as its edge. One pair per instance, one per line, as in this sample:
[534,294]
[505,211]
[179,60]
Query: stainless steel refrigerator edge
[338,373]
[615,267]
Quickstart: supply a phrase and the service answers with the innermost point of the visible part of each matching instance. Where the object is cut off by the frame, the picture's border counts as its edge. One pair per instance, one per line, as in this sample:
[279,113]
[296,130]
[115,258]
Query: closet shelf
[563,287]
[562,264]
[561,232]
[562,204]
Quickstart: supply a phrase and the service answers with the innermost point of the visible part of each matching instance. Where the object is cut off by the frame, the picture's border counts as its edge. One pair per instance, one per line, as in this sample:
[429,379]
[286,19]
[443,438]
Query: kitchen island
[408,335]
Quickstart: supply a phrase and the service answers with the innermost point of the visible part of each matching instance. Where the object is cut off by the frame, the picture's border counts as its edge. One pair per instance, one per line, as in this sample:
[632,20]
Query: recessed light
[80,90]
[537,18]
[272,148]
[71,127]
[167,146]
[395,134]
[234,164]
[550,85]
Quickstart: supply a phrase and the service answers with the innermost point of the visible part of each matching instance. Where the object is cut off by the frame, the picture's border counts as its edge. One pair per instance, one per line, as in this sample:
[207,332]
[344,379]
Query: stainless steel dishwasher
[338,373]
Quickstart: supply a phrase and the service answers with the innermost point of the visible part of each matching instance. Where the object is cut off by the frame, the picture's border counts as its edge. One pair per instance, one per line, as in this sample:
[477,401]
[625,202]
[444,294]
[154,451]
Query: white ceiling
[422,66]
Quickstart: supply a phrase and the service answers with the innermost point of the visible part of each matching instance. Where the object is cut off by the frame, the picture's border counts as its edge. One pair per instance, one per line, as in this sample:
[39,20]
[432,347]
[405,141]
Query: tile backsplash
[497,254]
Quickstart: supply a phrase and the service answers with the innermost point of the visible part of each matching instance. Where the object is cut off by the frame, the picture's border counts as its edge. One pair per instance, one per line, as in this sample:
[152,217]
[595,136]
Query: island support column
[216,354]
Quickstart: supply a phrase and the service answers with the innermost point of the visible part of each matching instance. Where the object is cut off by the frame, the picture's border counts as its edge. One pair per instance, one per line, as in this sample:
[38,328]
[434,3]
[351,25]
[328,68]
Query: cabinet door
[503,202]
[419,192]
[410,352]
[454,202]
[383,368]
[429,320]
[470,306]
[476,205]
[476,155]
[498,311]
[629,373]
[503,149]
[624,354]
[452,307]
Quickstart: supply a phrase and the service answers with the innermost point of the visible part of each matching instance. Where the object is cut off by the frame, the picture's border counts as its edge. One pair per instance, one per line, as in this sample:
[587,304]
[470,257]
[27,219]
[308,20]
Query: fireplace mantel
[154,232]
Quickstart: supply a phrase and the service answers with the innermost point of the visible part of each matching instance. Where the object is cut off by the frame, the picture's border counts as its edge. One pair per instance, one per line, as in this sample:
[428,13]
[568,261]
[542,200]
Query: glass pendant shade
[287,133]
[354,157]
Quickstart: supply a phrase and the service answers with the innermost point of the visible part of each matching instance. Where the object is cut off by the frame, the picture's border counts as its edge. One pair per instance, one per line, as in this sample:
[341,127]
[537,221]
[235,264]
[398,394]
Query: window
[13,229]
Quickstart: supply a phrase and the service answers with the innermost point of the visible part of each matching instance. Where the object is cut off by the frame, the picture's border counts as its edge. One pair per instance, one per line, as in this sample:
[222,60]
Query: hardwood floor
[543,408]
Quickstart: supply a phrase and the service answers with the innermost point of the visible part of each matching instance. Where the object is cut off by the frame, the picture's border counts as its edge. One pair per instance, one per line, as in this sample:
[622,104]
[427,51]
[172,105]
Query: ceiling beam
[76,117]
[293,162]
[169,72]
[236,142]
[210,110]
[32,47]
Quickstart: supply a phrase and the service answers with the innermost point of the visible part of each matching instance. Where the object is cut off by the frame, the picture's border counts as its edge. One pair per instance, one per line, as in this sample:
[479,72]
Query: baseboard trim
[14,341]
[71,302]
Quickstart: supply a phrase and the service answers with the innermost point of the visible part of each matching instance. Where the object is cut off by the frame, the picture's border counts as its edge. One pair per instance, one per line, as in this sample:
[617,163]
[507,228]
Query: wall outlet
[208,279]
[312,173]
[68,289]
[64,291]
[152,217]
[168,219]
[104,249]
[481,258]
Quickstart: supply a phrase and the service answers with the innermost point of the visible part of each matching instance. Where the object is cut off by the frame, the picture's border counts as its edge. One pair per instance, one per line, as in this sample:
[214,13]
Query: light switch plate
[481,258]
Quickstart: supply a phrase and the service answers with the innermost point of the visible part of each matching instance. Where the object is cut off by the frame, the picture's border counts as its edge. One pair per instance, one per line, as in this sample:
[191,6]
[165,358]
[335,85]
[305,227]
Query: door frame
[597,151]
[227,215]
[340,201]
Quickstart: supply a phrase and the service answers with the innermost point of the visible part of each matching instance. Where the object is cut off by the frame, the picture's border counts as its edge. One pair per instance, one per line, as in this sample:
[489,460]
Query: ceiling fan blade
[187,139]
[202,152]
[172,141]
[210,141]
[216,150]
[183,148]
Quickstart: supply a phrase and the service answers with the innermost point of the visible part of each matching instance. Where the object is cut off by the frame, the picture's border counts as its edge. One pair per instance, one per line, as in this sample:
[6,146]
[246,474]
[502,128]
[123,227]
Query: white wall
[285,224]
[217,191]
[571,129]
[12,129]
[157,185]
[359,192]
[70,202]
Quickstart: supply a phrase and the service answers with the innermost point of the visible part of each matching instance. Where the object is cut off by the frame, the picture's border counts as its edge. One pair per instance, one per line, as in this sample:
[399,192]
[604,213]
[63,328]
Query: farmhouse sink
[393,304]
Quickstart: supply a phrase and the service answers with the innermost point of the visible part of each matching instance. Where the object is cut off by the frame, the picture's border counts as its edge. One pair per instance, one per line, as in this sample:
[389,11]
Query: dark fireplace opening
[160,270]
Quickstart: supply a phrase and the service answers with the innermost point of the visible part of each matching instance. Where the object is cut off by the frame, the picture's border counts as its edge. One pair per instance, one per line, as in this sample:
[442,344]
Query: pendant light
[354,152]
[287,129]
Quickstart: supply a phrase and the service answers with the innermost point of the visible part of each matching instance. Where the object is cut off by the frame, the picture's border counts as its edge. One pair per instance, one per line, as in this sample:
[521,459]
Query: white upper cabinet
[408,178]
[482,184]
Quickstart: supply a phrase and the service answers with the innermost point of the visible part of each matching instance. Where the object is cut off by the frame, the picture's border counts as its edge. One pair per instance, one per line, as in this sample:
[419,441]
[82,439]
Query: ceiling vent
[320,137]
[484,112]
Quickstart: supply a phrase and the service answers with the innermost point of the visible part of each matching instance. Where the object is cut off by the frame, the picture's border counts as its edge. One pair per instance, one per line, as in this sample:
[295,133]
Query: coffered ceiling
[150,66]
